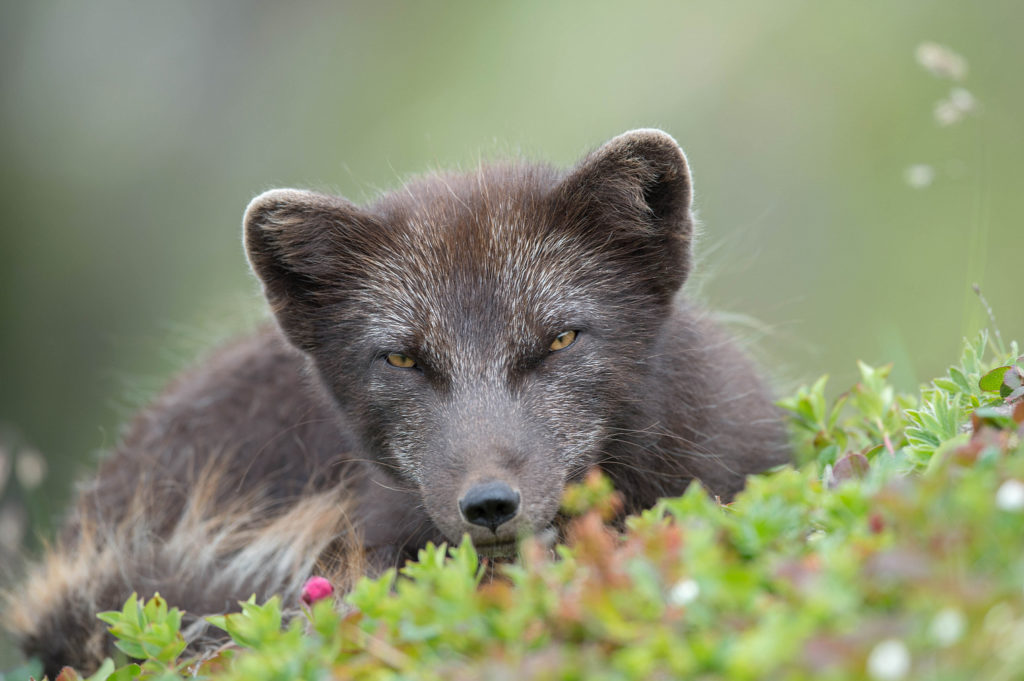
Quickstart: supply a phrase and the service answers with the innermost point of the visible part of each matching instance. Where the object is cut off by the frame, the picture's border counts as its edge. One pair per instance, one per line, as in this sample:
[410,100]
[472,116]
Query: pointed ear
[635,192]
[297,243]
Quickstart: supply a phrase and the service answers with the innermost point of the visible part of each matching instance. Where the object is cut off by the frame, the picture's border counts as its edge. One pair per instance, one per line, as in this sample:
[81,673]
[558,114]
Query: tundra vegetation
[893,548]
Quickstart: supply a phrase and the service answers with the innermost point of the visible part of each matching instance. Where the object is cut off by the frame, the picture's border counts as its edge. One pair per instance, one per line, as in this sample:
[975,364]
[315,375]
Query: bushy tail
[212,555]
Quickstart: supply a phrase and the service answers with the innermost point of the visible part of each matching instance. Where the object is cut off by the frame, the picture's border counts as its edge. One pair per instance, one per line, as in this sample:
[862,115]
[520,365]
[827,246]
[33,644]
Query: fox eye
[563,340]
[397,359]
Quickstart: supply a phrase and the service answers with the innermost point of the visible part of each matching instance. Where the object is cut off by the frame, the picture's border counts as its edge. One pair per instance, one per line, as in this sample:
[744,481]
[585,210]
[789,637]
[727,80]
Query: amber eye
[397,359]
[563,340]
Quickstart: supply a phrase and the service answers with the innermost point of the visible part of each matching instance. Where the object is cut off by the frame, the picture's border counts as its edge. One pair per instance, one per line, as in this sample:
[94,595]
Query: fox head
[484,333]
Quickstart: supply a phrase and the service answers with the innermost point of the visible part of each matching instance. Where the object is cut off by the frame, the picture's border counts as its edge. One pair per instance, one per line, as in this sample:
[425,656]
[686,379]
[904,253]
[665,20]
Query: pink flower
[316,589]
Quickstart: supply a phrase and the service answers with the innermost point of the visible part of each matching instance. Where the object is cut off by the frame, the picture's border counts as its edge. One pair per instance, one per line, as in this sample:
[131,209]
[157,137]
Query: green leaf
[837,408]
[131,648]
[992,381]
[970,358]
[922,439]
[961,380]
[126,673]
[255,626]
[817,400]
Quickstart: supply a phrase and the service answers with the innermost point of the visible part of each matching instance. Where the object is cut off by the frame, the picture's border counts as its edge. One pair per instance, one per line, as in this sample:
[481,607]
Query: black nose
[489,504]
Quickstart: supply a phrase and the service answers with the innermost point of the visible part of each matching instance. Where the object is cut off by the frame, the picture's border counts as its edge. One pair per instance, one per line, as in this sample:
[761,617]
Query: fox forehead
[468,267]
[435,297]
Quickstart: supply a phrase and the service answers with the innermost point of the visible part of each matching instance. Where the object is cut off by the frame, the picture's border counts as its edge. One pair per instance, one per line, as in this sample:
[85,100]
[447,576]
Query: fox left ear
[304,247]
[635,191]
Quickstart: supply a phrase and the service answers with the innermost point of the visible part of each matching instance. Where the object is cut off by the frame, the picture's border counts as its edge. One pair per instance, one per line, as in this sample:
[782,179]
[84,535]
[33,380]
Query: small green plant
[150,632]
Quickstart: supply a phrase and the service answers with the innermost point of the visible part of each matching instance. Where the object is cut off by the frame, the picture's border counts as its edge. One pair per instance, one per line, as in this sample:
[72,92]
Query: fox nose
[489,504]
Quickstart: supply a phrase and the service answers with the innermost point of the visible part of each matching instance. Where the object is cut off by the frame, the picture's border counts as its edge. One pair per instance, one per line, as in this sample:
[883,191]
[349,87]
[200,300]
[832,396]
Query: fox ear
[295,241]
[635,191]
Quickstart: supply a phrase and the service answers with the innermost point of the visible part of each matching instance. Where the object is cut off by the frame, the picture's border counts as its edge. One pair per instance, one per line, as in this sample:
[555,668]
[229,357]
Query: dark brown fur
[300,449]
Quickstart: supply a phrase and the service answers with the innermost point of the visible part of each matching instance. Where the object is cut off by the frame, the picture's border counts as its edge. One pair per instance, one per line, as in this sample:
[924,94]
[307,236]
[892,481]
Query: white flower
[685,591]
[947,627]
[889,661]
[1010,496]
[941,61]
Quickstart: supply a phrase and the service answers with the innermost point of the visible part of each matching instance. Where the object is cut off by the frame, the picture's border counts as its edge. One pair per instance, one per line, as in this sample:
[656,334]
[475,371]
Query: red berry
[316,589]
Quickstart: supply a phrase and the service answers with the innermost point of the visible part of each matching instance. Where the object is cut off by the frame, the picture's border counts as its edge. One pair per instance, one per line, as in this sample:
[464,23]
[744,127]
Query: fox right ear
[295,240]
[635,192]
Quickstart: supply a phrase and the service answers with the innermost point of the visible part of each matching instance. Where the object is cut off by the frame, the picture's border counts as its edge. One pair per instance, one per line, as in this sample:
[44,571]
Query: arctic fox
[442,362]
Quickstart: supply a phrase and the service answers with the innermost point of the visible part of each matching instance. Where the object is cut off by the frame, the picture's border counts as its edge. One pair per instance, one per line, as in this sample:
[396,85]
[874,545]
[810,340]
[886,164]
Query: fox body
[443,362]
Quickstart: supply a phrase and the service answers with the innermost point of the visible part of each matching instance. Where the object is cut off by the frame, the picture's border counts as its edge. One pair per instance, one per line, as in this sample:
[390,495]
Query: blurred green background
[133,134]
